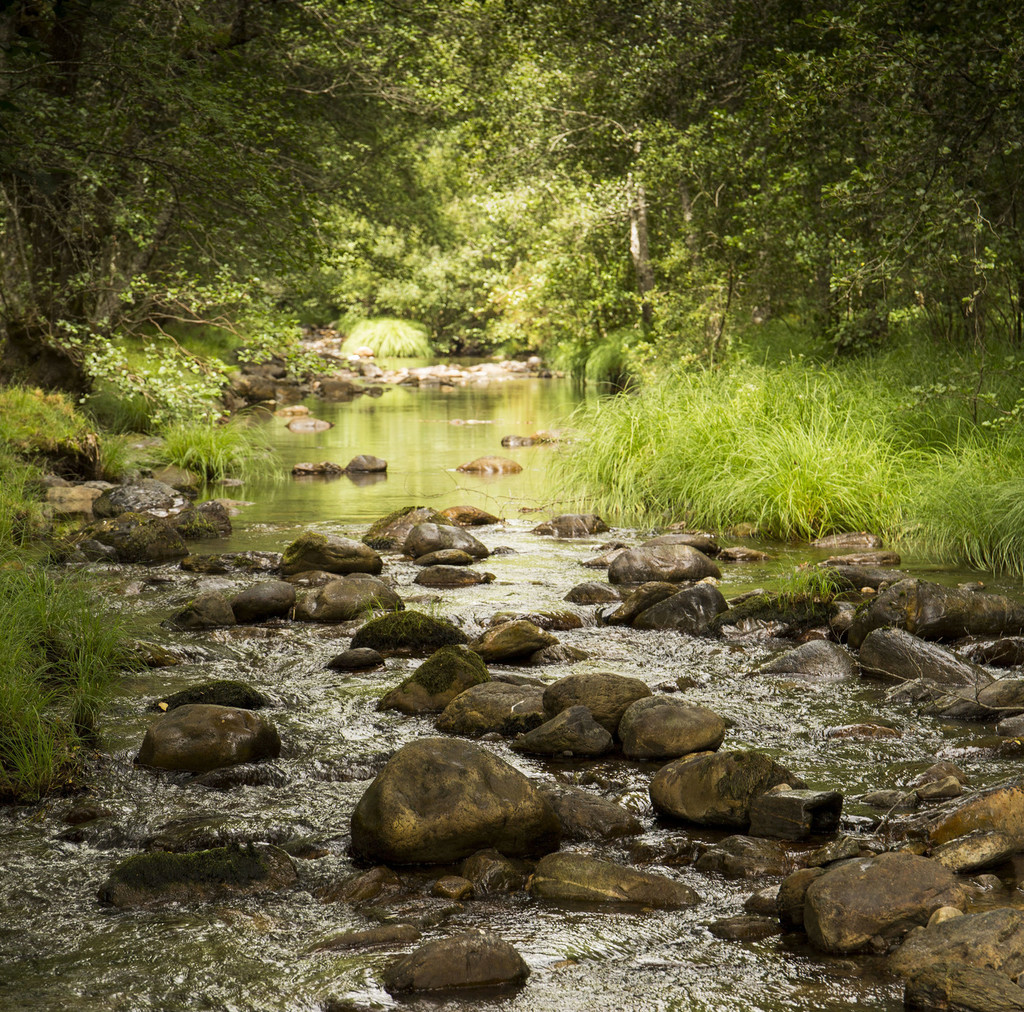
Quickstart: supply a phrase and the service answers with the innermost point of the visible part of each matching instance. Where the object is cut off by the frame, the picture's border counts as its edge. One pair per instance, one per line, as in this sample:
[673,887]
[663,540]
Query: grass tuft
[389,338]
[234,450]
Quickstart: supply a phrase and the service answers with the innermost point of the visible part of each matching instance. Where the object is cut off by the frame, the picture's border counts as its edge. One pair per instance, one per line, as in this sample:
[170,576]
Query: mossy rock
[800,612]
[138,537]
[407,632]
[388,534]
[437,681]
[313,550]
[223,692]
[160,877]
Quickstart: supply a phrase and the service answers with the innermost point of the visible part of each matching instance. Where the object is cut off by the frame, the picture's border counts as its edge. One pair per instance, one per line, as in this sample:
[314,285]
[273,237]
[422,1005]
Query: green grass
[59,663]
[234,450]
[389,338]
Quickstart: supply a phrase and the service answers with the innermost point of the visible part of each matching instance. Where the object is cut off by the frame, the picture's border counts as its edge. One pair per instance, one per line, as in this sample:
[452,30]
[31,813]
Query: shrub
[389,338]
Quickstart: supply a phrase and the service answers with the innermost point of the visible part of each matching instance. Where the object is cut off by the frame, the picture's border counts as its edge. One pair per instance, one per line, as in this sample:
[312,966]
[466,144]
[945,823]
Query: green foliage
[232,450]
[58,666]
[389,338]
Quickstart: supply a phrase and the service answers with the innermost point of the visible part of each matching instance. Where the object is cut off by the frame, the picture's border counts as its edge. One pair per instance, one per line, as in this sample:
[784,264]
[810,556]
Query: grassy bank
[920,447]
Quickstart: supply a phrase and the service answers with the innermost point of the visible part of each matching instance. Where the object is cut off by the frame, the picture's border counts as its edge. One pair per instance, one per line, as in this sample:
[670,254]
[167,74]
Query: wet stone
[450,577]
[572,732]
[795,814]
[745,928]
[363,659]
[592,593]
[473,959]
[382,934]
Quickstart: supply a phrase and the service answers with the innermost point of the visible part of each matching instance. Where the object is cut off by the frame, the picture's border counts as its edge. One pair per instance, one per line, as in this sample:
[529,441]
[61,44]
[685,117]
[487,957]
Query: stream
[60,949]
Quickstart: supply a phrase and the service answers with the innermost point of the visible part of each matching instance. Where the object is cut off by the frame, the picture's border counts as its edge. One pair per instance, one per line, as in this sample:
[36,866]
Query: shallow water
[59,948]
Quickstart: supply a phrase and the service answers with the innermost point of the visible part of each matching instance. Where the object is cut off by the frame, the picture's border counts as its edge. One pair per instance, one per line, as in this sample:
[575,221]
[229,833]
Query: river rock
[848,539]
[705,543]
[492,873]
[795,814]
[935,612]
[380,934]
[609,553]
[864,577]
[451,577]
[670,563]
[605,694]
[331,553]
[222,692]
[993,939]
[202,736]
[572,732]
[688,611]
[640,600]
[390,531]
[578,878]
[233,562]
[572,525]
[511,641]
[437,681]
[744,928]
[205,611]
[716,789]
[407,632]
[270,599]
[468,516]
[516,442]
[586,816]
[439,800]
[738,553]
[144,495]
[963,988]
[446,557]
[1011,727]
[1005,652]
[981,849]
[771,615]
[72,501]
[1001,698]
[491,465]
[897,655]
[877,559]
[592,593]
[884,896]
[363,659]
[745,857]
[138,537]
[208,519]
[497,707]
[347,598]
[160,878]
[319,469]
[998,810]
[817,659]
[792,896]
[664,727]
[366,463]
[476,959]
[426,538]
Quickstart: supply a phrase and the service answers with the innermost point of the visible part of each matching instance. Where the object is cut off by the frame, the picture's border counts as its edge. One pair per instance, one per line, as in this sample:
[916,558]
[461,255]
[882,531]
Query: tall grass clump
[796,451]
[215,451]
[60,662]
[389,338]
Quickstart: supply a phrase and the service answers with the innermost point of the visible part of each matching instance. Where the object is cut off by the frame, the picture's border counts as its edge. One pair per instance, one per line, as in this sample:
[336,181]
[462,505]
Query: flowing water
[59,948]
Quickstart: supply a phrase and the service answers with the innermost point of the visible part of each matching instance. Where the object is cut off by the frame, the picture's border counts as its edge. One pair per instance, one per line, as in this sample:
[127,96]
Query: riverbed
[60,948]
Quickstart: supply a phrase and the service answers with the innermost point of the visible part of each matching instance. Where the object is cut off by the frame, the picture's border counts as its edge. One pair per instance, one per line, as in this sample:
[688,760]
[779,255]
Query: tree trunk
[638,248]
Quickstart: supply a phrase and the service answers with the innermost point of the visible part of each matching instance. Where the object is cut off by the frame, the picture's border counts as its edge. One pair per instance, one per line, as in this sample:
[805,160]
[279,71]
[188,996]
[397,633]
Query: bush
[389,338]
[218,451]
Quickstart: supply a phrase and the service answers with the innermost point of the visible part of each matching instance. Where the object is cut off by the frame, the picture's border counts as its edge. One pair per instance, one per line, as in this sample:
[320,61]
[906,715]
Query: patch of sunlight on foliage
[58,666]
[31,418]
[389,338]
[233,450]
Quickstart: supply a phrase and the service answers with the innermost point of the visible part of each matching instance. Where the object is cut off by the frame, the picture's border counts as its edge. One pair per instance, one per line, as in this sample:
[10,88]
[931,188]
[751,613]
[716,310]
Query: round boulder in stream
[499,707]
[202,736]
[426,538]
[688,611]
[347,598]
[205,611]
[818,659]
[577,878]
[605,694]
[512,640]
[717,789]
[573,732]
[669,563]
[437,681]
[439,800]
[269,599]
[139,537]
[451,577]
[663,727]
[407,632]
[330,553]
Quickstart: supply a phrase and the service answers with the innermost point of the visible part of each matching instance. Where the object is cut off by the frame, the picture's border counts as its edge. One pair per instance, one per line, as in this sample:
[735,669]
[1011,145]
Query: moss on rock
[407,632]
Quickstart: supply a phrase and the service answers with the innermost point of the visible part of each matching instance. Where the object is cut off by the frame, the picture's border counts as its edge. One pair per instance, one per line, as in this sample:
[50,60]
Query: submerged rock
[439,800]
[222,692]
[491,465]
[202,736]
[474,959]
[437,681]
[577,878]
[330,553]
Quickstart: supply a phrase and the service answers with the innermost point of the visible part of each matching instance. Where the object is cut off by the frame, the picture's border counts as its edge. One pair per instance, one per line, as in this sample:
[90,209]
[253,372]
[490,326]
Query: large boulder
[407,632]
[572,525]
[473,959]
[578,878]
[899,656]
[1000,809]
[144,495]
[205,611]
[818,659]
[705,543]
[437,681]
[689,611]
[208,519]
[959,987]
[223,874]
[330,553]
[935,612]
[439,800]
[389,532]
[423,539]
[497,707]
[638,601]
[717,789]
[512,641]
[572,732]
[605,694]
[993,939]
[269,599]
[995,701]
[664,727]
[670,563]
[347,598]
[876,897]
[202,736]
